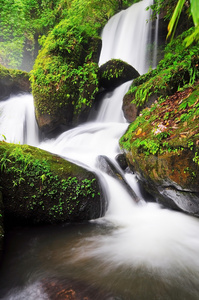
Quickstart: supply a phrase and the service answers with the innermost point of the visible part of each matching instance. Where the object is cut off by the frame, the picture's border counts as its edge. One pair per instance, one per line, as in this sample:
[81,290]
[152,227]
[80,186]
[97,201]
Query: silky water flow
[136,251]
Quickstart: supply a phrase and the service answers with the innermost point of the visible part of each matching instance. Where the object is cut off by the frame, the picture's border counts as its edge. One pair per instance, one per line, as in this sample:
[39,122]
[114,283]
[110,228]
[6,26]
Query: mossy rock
[64,79]
[13,82]
[115,72]
[162,147]
[39,187]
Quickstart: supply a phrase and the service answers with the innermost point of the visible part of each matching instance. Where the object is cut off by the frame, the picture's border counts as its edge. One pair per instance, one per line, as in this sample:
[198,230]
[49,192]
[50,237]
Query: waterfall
[134,251]
[17,120]
[126,35]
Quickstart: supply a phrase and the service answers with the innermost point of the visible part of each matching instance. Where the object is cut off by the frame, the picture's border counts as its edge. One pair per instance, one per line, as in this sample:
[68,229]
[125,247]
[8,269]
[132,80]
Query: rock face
[171,177]
[160,82]
[39,187]
[115,72]
[162,147]
[13,82]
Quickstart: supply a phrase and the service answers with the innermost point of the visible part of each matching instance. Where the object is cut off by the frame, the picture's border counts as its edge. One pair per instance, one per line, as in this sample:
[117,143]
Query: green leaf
[195,11]
[175,18]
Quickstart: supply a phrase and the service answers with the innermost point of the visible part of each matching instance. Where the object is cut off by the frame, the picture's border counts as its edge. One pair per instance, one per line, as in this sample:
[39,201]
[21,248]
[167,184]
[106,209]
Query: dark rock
[172,178]
[180,200]
[39,187]
[107,166]
[130,110]
[115,72]
[121,160]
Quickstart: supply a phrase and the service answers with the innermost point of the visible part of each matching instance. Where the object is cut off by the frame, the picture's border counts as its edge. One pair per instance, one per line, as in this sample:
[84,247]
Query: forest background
[25,24]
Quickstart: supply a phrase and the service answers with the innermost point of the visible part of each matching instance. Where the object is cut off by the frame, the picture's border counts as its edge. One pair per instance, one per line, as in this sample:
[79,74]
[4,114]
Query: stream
[136,251]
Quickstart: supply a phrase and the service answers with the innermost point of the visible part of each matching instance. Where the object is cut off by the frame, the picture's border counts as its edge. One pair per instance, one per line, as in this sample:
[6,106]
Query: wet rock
[39,187]
[180,200]
[121,160]
[115,72]
[131,110]
[13,82]
[161,147]
[107,166]
[65,78]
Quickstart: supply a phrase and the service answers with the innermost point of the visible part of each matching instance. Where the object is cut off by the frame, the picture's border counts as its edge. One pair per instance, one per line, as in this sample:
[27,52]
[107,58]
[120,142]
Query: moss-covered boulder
[65,74]
[13,82]
[39,187]
[1,224]
[64,79]
[115,72]
[162,148]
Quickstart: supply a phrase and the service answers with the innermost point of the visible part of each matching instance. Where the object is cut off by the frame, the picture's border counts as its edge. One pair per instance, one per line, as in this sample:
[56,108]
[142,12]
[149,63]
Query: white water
[135,251]
[17,120]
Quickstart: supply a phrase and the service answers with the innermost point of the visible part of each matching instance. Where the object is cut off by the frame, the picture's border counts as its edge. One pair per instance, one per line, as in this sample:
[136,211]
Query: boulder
[148,88]
[65,78]
[13,82]
[39,187]
[107,166]
[172,178]
[115,72]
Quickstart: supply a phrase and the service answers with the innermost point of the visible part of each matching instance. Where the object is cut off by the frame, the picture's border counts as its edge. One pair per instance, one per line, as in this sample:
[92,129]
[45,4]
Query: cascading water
[17,120]
[135,251]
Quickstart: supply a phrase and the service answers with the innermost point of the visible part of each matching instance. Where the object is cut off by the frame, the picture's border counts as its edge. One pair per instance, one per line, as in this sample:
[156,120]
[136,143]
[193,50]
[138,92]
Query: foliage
[175,18]
[178,68]
[165,6]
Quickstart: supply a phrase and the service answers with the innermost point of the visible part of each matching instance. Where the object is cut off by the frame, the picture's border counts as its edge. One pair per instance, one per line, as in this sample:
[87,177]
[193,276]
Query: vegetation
[13,81]
[194,9]
[179,68]
[24,23]
[40,187]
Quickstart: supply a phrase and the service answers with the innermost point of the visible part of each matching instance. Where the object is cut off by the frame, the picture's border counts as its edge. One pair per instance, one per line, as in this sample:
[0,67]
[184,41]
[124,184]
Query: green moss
[115,71]
[12,74]
[165,128]
[179,67]
[50,186]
